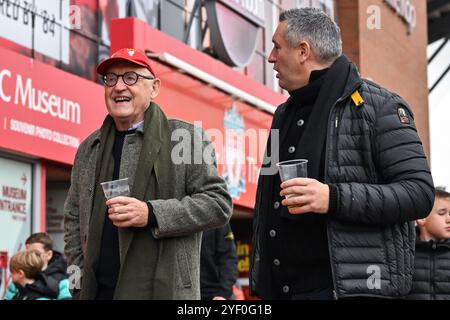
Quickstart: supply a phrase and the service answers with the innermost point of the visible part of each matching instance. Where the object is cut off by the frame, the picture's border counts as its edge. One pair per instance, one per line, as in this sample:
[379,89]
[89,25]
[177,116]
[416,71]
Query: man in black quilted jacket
[347,230]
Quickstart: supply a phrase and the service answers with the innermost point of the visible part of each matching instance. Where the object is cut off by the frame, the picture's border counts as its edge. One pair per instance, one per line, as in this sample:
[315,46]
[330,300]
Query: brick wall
[389,55]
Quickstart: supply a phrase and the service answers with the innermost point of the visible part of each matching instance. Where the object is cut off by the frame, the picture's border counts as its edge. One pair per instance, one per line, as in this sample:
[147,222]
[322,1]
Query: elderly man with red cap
[145,245]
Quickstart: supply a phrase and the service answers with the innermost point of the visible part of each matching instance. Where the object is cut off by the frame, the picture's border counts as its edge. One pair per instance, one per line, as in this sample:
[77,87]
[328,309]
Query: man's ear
[49,255]
[304,51]
[156,85]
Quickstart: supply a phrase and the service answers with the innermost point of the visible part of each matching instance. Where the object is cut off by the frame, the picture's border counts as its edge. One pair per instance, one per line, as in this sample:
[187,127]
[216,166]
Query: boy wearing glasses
[147,245]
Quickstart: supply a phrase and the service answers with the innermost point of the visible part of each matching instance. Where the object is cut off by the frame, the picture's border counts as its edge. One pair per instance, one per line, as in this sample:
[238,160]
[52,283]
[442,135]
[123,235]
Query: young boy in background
[54,268]
[431,280]
[29,281]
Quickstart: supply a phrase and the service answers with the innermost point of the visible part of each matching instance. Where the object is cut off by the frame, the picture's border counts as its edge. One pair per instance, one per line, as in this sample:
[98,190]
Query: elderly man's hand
[306,195]
[127,212]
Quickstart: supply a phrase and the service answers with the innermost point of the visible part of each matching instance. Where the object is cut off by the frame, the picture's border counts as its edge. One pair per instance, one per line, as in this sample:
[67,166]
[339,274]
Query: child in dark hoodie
[431,280]
[55,266]
[29,281]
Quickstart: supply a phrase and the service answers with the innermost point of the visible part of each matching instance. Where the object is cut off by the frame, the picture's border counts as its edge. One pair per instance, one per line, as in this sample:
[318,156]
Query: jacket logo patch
[403,116]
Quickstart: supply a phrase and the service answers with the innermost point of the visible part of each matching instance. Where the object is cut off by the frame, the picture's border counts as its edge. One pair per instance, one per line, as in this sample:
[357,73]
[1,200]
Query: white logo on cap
[131,53]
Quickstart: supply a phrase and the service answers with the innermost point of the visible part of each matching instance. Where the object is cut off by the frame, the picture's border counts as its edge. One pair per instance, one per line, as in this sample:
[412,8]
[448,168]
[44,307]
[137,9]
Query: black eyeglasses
[129,78]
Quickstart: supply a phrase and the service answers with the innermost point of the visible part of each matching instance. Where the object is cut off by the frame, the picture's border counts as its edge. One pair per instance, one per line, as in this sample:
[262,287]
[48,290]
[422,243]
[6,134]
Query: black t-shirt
[109,260]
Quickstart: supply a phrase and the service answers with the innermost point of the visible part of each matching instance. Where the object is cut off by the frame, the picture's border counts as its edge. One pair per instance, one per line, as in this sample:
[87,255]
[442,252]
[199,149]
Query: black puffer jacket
[377,168]
[57,267]
[43,288]
[431,280]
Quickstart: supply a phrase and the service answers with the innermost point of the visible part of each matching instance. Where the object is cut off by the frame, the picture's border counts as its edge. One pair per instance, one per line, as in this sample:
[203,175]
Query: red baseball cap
[135,56]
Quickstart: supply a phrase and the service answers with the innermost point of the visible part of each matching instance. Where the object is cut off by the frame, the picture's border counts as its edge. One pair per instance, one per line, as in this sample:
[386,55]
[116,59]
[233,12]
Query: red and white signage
[45,112]
[40,25]
[15,209]
[406,10]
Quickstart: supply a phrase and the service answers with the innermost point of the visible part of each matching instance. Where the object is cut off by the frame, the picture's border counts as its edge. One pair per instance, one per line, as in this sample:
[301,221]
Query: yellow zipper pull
[357,99]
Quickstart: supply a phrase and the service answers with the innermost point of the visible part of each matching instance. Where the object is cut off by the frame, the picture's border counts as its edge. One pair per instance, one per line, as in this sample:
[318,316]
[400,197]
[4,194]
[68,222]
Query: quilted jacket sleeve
[405,191]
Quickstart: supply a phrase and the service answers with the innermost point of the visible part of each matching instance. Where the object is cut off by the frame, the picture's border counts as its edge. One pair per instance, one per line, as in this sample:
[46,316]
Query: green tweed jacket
[200,201]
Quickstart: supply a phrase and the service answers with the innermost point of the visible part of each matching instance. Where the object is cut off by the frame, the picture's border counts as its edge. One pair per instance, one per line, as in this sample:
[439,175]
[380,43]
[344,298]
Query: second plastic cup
[116,188]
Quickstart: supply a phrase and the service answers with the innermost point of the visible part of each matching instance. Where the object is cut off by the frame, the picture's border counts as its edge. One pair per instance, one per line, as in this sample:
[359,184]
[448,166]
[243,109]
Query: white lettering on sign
[3,96]
[44,133]
[39,100]
[405,10]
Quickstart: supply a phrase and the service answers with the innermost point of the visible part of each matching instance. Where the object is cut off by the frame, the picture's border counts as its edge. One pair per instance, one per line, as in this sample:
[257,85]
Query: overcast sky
[439,110]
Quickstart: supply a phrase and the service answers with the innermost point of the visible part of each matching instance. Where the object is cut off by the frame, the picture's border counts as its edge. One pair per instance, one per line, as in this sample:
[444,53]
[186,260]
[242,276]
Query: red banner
[45,112]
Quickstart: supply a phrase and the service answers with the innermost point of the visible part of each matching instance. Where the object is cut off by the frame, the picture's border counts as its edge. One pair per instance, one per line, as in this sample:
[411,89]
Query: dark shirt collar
[125,132]
[308,94]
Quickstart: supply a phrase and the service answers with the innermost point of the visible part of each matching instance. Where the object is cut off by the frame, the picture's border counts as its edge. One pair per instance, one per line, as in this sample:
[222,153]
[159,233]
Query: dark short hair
[41,237]
[441,194]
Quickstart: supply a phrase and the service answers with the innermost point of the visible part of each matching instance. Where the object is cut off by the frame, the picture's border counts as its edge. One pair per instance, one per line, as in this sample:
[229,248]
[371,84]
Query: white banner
[15,210]
[49,37]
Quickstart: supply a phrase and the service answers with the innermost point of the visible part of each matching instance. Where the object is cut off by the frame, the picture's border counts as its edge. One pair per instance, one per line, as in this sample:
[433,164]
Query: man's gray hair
[315,27]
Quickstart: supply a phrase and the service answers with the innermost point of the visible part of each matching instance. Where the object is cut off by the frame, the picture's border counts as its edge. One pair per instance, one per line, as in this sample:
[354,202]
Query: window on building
[172,22]
[256,68]
[325,5]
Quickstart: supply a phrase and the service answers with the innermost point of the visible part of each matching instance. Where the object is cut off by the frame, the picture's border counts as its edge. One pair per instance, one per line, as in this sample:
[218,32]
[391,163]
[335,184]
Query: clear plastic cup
[297,168]
[116,188]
